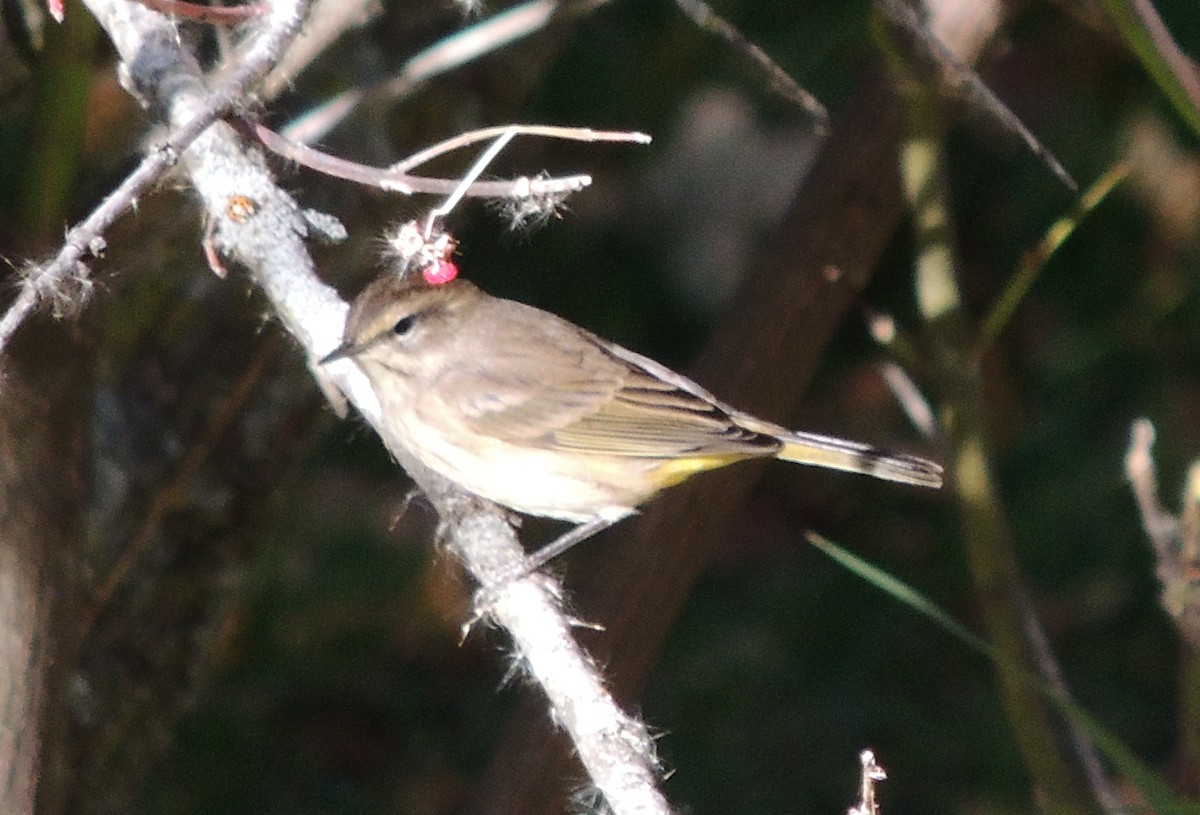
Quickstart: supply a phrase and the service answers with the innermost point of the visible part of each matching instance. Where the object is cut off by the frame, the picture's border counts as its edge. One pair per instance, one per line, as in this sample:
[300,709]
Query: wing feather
[592,397]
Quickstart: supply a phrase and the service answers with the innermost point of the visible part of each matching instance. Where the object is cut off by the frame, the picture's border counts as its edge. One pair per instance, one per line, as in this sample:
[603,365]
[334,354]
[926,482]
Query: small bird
[528,410]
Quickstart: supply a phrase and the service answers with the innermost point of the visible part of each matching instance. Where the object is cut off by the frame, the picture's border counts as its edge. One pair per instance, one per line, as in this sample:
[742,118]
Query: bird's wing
[583,394]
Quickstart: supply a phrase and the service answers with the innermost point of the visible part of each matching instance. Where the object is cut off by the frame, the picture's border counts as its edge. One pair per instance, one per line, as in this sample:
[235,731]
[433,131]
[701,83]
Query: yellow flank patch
[674,470]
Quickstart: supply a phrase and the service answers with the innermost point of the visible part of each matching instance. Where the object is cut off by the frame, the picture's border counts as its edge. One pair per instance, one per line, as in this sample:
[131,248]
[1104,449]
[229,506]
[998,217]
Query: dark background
[311,657]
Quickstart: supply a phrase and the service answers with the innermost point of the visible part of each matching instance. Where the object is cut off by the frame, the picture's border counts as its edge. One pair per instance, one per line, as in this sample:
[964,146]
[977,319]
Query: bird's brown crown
[390,304]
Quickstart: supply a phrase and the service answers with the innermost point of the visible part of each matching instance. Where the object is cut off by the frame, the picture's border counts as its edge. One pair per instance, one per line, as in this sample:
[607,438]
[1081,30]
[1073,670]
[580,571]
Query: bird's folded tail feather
[840,454]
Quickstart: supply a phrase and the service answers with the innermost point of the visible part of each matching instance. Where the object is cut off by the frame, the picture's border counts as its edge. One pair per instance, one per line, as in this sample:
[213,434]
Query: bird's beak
[341,352]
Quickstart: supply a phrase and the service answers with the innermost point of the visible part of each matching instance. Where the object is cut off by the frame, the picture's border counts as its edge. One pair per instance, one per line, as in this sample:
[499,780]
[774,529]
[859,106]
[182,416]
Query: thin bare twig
[914,404]
[1081,741]
[871,775]
[191,116]
[932,61]
[397,179]
[326,22]
[779,80]
[496,32]
[584,134]
[1159,524]
[1176,541]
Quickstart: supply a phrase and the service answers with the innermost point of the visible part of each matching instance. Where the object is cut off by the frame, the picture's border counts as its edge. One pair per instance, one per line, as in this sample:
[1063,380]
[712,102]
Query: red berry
[439,272]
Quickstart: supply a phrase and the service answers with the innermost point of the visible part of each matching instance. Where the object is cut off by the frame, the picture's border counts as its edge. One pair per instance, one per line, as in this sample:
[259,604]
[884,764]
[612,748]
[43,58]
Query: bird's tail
[839,454]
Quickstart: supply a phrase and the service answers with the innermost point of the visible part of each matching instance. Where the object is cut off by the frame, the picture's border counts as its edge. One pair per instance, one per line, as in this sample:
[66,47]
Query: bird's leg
[580,533]
[568,539]
[403,508]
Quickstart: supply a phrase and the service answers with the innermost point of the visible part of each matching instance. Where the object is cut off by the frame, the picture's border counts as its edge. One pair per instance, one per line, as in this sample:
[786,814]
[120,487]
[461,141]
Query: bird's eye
[404,325]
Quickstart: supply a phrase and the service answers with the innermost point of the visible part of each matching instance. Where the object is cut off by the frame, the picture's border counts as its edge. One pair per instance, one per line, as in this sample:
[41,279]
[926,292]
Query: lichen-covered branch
[266,233]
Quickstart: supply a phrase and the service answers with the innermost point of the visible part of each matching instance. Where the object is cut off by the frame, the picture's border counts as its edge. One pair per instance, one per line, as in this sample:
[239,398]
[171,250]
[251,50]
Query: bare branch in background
[190,112]
[326,22]
[496,32]
[936,65]
[779,81]
[872,774]
[1176,541]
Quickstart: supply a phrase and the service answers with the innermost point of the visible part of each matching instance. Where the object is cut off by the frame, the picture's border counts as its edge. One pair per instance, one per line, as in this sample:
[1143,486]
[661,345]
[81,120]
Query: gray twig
[191,109]
[264,229]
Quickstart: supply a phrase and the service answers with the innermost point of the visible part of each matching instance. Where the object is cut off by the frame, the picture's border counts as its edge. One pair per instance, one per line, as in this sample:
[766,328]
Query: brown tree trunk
[44,392]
